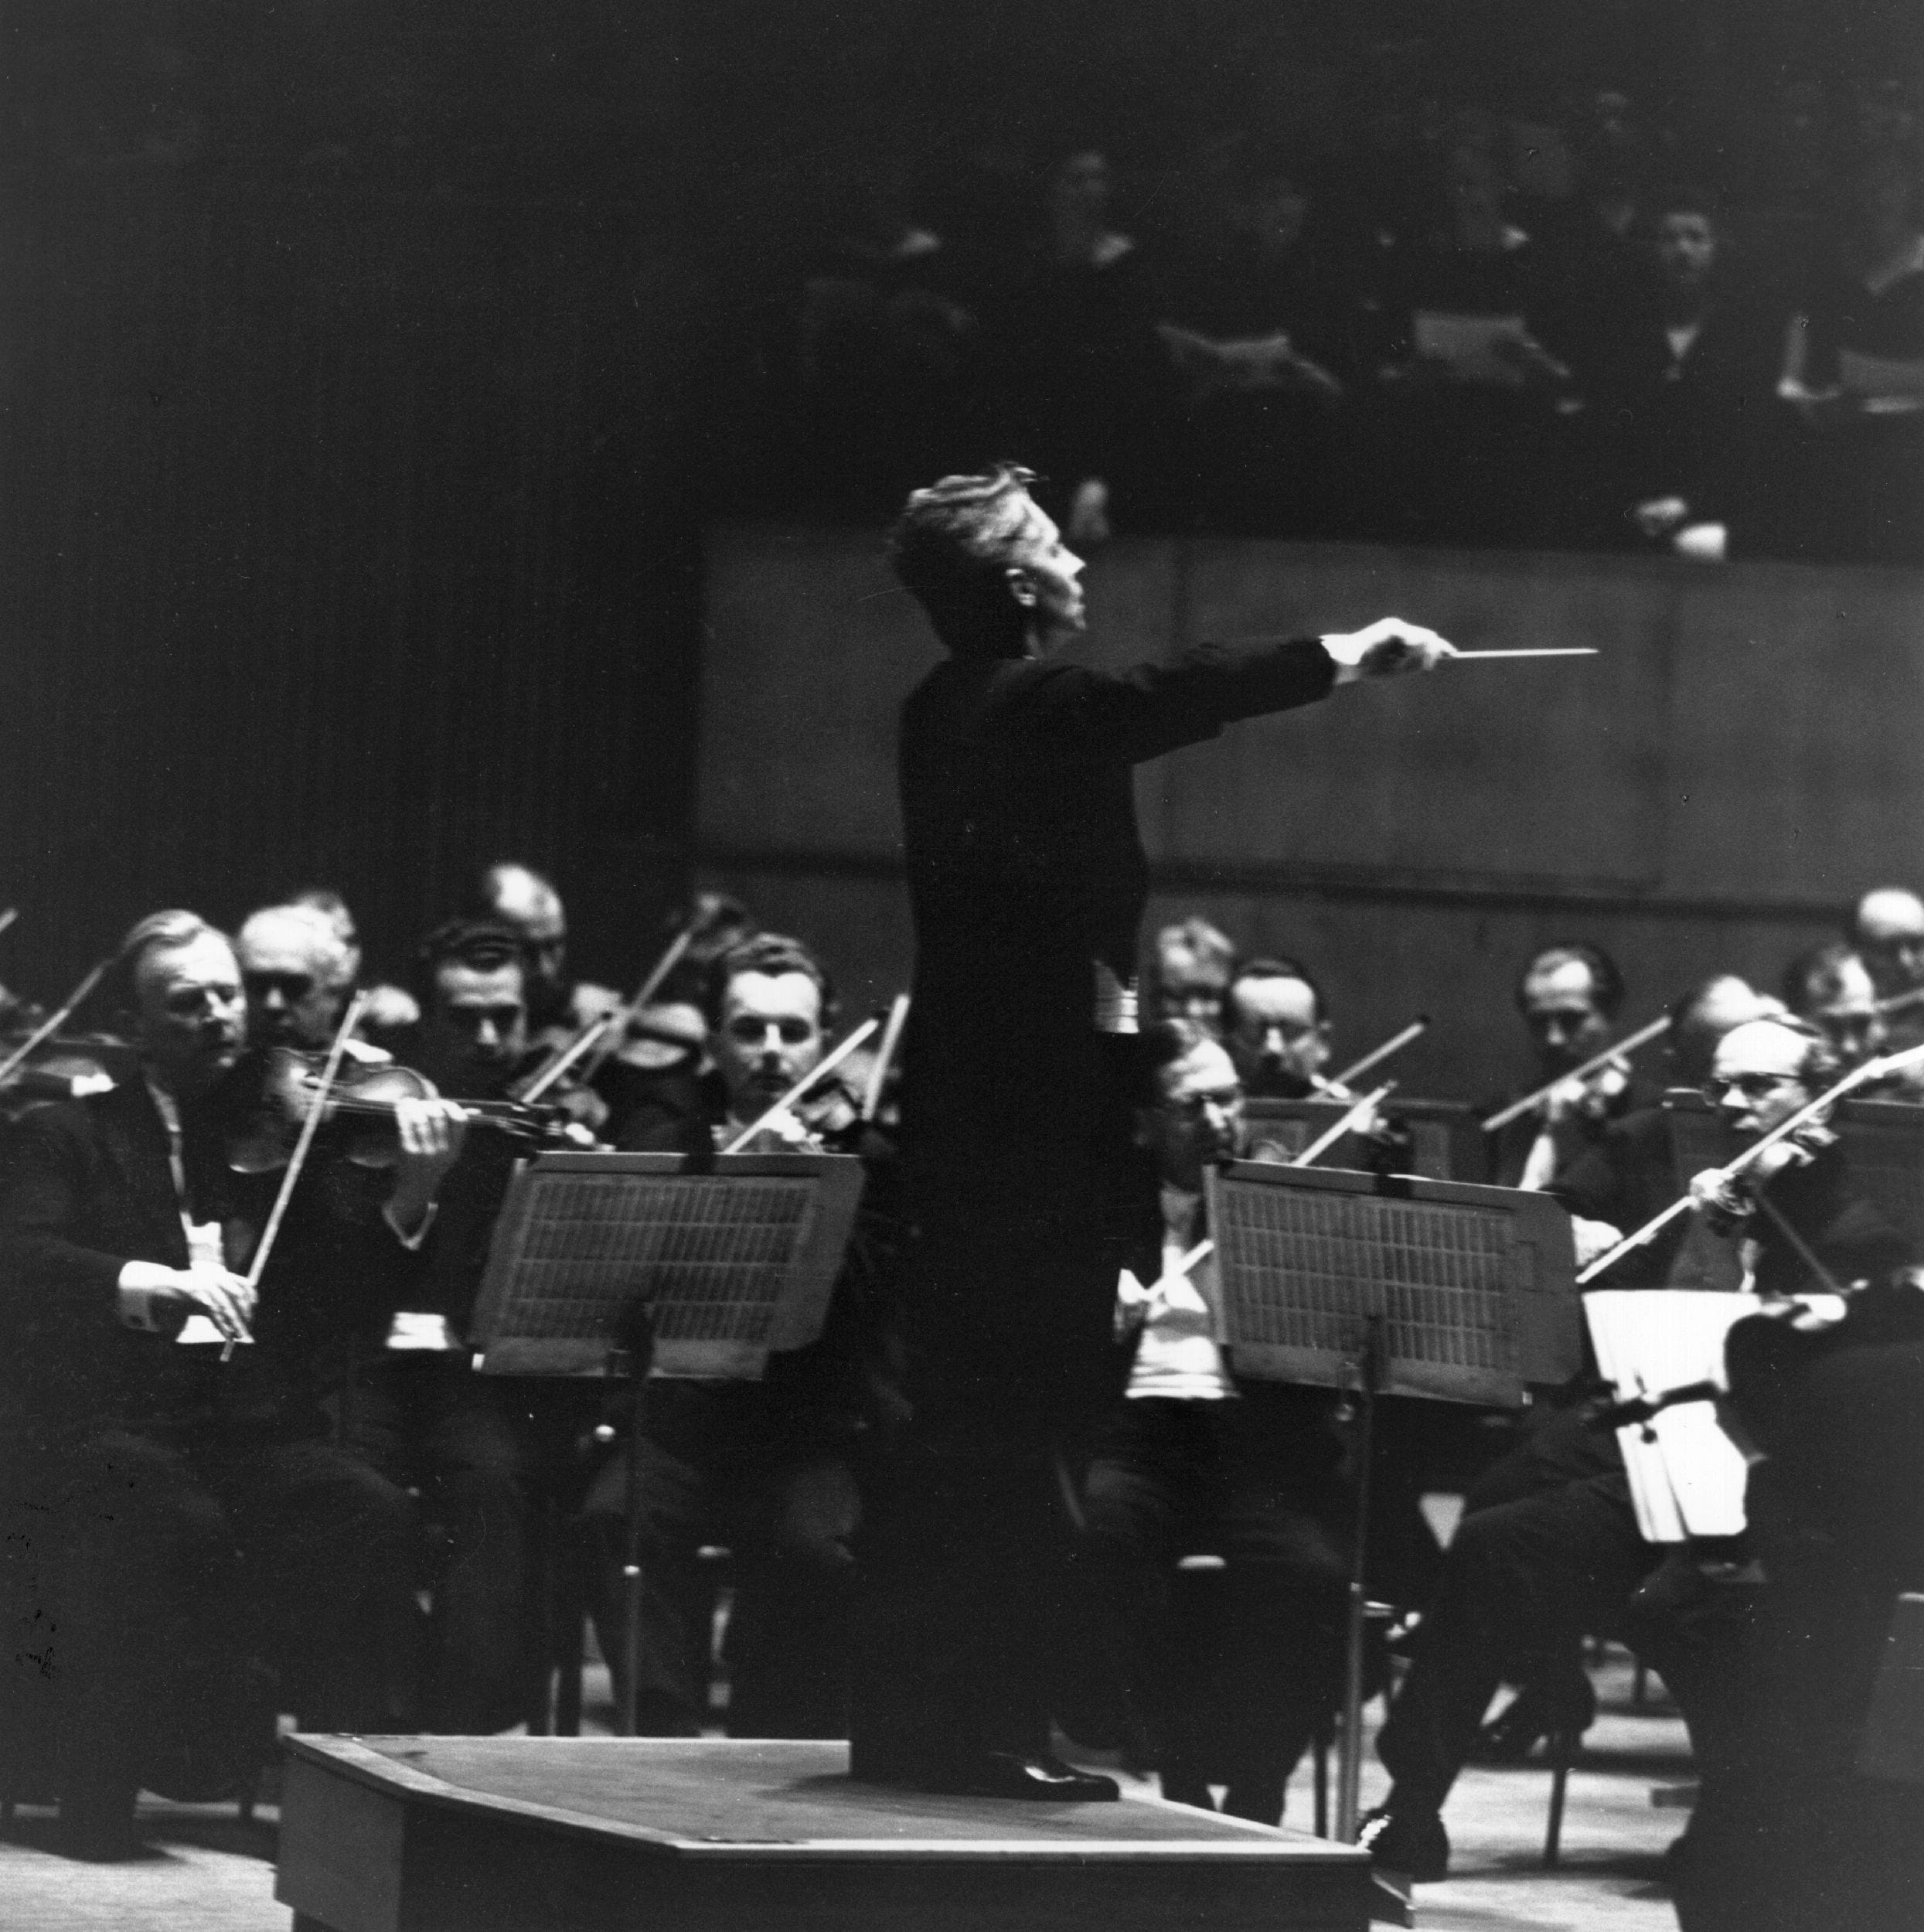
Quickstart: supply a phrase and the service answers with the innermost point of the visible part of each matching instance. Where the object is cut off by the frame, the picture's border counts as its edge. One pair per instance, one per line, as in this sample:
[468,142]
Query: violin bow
[52,1024]
[1871,1070]
[1330,1135]
[824,1066]
[310,1125]
[7,917]
[891,1039]
[1377,1055]
[1597,1062]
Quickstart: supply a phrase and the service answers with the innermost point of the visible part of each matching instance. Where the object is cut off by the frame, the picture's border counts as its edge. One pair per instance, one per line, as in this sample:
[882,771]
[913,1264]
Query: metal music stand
[1447,1138]
[633,1264]
[1399,1287]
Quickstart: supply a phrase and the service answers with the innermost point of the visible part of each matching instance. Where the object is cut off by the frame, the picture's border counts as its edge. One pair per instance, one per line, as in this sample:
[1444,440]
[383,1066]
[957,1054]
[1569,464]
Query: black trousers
[182,1560]
[1007,1309]
[1252,1479]
[483,1451]
[718,1464]
[1547,1551]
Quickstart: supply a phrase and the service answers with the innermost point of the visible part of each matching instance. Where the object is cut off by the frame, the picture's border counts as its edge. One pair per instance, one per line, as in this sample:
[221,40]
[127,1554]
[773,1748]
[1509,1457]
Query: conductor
[1027,881]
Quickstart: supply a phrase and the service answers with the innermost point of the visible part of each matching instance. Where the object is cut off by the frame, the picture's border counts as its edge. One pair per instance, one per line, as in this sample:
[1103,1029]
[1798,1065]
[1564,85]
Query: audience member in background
[1831,986]
[208,1529]
[1079,372]
[1278,1034]
[1854,369]
[1193,965]
[1195,1460]
[1263,351]
[1685,413]
[476,1447]
[1472,400]
[888,346]
[1548,1548]
[1569,996]
[771,1468]
[390,1011]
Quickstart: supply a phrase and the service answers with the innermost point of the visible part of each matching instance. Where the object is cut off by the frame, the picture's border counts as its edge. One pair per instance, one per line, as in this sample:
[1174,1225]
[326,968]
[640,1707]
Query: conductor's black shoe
[1024,1775]
[1413,1843]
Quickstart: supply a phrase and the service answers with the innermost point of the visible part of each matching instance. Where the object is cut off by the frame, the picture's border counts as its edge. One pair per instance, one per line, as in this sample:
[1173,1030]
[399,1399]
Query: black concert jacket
[1025,863]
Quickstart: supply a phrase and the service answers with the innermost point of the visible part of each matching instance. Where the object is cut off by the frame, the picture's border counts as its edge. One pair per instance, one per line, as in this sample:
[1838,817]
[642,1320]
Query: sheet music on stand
[1446,1141]
[732,1255]
[1474,1285]
[1686,1476]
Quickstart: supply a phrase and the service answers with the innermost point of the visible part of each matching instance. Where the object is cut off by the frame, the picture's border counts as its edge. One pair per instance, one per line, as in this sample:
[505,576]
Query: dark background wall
[1707,794]
[350,357]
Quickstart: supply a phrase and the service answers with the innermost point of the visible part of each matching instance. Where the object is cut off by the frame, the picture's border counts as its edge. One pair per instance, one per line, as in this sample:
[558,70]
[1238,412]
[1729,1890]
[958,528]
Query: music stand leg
[632,1561]
[1350,1747]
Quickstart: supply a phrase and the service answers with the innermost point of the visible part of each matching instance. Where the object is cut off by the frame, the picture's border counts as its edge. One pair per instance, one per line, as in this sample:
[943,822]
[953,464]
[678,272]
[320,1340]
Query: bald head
[1888,928]
[519,897]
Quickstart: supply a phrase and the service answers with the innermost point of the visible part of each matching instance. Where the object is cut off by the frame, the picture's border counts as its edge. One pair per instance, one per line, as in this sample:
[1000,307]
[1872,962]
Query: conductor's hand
[432,1133]
[1386,648]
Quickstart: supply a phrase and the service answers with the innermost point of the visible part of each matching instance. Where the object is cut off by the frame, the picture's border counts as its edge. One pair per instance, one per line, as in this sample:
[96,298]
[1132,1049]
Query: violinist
[1193,965]
[1831,986]
[389,1013]
[1568,997]
[774,1469]
[298,973]
[210,1529]
[1194,1458]
[1887,927]
[517,896]
[1548,1549]
[1278,1031]
[477,1448]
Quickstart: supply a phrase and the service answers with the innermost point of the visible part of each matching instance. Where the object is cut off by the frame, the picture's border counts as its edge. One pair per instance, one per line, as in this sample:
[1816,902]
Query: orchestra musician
[478,1448]
[1548,1548]
[1027,881]
[1831,986]
[1278,1031]
[1886,928]
[517,895]
[1569,996]
[1194,1459]
[772,1469]
[298,974]
[210,1531]
[1826,1395]
[1193,963]
[388,1012]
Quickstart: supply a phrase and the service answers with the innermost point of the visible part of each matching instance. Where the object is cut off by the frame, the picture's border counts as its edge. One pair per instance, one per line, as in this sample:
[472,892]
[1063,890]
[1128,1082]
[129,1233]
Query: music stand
[1390,1287]
[678,1265]
[1447,1140]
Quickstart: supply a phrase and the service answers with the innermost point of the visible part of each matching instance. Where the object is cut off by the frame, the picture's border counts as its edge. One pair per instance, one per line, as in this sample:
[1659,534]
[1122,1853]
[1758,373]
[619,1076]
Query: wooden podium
[724,1835]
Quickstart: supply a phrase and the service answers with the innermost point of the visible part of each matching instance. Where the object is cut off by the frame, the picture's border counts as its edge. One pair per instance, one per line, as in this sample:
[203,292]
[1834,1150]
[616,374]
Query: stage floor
[431,1834]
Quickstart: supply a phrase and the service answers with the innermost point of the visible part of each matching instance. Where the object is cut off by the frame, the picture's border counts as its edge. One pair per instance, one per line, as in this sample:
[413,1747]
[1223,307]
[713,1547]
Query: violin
[363,1100]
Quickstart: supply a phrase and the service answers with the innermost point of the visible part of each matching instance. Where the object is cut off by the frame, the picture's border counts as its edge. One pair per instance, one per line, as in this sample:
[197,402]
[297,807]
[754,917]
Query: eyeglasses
[1752,1086]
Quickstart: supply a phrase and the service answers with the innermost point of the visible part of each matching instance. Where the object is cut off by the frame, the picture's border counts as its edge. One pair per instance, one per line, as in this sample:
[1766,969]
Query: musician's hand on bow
[157,1298]
[1593,1239]
[1388,647]
[432,1134]
[1587,1099]
[1723,1199]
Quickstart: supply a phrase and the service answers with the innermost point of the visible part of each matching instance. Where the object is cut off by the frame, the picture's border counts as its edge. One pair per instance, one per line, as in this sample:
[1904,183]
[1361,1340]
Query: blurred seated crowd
[248,1477]
[1553,326]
